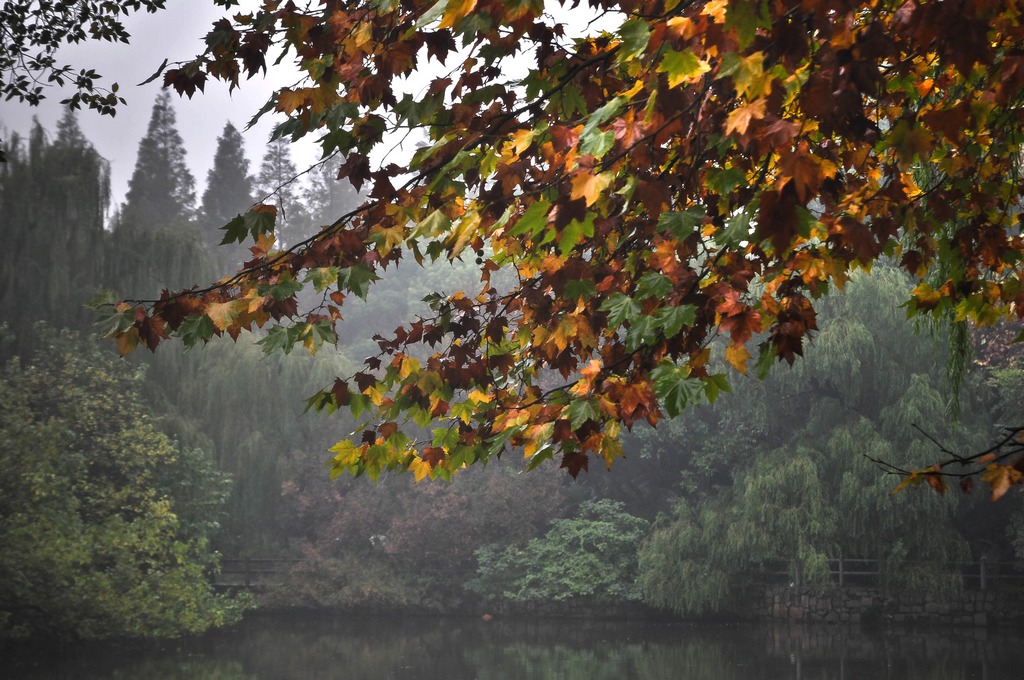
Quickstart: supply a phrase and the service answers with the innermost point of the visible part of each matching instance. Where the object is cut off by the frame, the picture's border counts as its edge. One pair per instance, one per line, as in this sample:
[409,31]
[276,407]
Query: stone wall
[869,606]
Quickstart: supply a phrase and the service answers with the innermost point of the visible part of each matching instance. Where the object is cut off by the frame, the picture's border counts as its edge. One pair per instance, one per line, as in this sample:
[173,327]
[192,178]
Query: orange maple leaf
[739,119]
[589,187]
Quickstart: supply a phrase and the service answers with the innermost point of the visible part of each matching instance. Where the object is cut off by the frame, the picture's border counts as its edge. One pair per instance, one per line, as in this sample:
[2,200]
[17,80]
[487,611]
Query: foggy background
[175,33]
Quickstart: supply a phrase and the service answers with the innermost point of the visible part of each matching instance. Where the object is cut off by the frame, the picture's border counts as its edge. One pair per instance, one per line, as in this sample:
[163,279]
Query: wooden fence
[853,572]
[252,572]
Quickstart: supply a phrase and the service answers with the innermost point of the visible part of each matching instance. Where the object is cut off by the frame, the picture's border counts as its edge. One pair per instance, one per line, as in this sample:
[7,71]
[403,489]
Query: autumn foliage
[691,175]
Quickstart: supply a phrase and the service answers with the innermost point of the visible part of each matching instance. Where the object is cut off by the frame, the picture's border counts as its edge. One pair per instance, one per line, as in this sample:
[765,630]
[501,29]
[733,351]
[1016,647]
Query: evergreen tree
[229,191]
[155,243]
[277,183]
[326,197]
[162,190]
[54,197]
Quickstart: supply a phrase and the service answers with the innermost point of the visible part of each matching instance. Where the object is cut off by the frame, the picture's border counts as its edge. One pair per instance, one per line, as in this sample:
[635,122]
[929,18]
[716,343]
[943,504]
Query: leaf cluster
[693,172]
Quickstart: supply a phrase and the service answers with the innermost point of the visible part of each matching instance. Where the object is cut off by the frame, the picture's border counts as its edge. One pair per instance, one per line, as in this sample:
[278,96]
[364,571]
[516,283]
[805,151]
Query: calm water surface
[318,647]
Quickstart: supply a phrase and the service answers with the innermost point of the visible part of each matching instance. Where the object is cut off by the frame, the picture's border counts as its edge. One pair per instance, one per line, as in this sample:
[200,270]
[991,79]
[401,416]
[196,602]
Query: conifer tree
[276,184]
[229,191]
[326,197]
[155,243]
[162,190]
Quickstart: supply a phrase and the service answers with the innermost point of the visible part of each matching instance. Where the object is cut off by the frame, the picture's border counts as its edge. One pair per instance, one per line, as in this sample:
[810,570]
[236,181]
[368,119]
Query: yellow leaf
[611,444]
[264,244]
[455,11]
[913,479]
[408,367]
[681,27]
[375,395]
[737,356]
[480,397]
[716,9]
[419,467]
[637,87]
[589,187]
[521,140]
[463,234]
[345,453]
[682,67]
[749,77]
[288,100]
[127,341]
[739,119]
[1001,477]
[563,333]
[538,438]
[223,314]
[388,237]
[362,35]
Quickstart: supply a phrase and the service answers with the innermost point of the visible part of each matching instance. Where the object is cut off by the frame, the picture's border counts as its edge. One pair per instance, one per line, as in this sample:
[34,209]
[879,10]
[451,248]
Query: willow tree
[802,487]
[660,176]
[54,196]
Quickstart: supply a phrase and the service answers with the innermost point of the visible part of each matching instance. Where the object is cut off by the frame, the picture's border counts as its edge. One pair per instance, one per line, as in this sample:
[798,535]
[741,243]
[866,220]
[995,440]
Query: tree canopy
[105,521]
[661,176]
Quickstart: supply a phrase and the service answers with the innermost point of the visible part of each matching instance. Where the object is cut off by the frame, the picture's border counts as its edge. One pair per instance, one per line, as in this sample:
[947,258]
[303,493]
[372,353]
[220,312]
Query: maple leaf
[574,462]
[589,187]
[223,314]
[737,356]
[716,9]
[742,326]
[801,169]
[1001,478]
[739,119]
[638,187]
[628,130]
[682,67]
[455,11]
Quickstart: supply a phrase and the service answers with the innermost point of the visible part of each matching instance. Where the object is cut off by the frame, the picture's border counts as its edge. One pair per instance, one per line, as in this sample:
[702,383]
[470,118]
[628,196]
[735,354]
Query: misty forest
[162,464]
[652,412]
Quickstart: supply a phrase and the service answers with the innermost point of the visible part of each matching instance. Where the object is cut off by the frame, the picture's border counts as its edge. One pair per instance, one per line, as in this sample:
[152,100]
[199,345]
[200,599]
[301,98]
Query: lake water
[321,647]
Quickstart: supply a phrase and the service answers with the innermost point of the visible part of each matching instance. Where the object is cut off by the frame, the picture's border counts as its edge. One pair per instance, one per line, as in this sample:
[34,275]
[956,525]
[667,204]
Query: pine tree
[326,197]
[161,191]
[277,183]
[155,244]
[229,191]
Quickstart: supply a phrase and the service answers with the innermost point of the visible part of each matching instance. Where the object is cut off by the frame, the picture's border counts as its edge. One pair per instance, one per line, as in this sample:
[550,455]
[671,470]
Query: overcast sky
[175,33]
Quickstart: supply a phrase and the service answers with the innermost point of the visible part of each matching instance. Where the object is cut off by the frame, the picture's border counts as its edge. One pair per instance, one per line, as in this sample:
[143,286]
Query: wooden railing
[980,575]
[252,572]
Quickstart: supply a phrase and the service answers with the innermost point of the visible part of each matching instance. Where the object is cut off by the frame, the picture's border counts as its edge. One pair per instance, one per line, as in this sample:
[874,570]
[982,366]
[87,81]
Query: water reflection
[319,647]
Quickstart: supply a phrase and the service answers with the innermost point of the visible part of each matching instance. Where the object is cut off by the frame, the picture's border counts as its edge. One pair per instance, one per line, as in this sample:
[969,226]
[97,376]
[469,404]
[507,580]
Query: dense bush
[104,521]
[591,555]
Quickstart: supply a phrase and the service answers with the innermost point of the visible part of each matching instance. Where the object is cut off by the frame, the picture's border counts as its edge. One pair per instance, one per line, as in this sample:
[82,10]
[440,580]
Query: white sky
[175,33]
